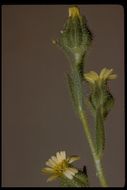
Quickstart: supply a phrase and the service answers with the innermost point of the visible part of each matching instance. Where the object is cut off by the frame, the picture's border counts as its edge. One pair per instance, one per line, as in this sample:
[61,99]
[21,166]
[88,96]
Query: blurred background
[37,115]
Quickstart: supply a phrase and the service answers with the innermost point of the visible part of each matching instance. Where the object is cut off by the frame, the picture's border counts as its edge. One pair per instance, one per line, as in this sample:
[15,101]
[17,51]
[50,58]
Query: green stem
[100,133]
[97,161]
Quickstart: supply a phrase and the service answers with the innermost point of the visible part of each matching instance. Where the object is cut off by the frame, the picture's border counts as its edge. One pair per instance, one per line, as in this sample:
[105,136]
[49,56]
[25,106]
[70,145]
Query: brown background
[38,118]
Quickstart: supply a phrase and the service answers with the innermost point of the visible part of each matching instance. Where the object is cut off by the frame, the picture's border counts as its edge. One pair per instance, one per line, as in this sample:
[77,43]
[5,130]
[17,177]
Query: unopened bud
[75,37]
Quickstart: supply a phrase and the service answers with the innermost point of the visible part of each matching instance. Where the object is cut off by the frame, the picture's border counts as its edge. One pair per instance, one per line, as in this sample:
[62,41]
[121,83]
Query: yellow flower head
[105,74]
[60,165]
[74,12]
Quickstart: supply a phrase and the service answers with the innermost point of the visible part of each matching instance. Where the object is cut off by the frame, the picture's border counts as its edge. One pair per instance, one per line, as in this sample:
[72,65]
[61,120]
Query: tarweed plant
[74,40]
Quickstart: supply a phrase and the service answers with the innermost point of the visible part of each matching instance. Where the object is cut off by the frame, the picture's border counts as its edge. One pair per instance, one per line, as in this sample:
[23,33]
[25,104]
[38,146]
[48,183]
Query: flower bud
[75,37]
[100,97]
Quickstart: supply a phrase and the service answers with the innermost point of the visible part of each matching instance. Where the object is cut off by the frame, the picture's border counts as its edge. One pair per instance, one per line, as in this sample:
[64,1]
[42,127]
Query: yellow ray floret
[59,165]
[105,74]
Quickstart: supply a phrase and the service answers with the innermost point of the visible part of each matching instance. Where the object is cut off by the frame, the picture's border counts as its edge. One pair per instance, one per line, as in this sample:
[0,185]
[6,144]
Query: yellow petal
[50,163]
[73,170]
[103,71]
[47,170]
[91,77]
[53,177]
[107,74]
[113,76]
[63,155]
[54,159]
[73,159]
[68,174]
[59,158]
[93,74]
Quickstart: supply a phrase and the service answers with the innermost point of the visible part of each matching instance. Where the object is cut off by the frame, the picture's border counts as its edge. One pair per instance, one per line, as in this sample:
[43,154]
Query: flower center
[61,167]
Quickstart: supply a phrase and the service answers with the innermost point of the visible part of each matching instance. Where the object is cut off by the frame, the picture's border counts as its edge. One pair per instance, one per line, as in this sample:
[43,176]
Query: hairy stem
[97,161]
[100,133]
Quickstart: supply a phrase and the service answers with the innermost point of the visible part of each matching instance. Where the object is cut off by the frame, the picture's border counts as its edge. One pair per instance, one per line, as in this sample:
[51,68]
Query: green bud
[75,37]
[100,97]
[101,102]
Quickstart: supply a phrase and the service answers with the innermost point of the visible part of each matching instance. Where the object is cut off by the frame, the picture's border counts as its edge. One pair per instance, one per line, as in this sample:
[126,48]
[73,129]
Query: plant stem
[98,165]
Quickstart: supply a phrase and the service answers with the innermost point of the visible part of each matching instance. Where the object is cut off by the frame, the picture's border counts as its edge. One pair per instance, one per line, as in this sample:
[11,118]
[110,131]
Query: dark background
[38,118]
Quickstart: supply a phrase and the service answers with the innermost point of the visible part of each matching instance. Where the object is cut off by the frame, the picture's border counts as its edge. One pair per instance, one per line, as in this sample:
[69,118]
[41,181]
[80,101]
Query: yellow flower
[60,165]
[105,74]
[74,12]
